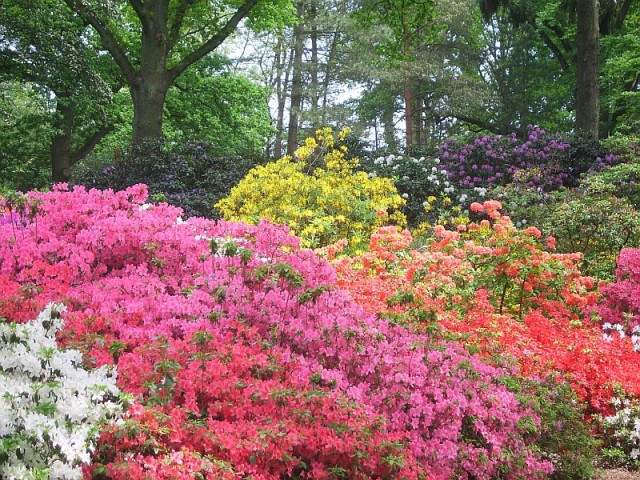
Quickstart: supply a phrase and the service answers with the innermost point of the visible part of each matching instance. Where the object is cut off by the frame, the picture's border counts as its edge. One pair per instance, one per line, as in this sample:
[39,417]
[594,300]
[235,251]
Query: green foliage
[620,76]
[210,103]
[564,436]
[317,194]
[598,218]
[24,133]
[191,176]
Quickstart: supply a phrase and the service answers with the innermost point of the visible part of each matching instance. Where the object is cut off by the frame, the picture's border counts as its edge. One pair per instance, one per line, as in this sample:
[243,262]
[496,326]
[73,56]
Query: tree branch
[138,7]
[176,24]
[622,14]
[554,48]
[109,40]
[479,123]
[90,144]
[215,40]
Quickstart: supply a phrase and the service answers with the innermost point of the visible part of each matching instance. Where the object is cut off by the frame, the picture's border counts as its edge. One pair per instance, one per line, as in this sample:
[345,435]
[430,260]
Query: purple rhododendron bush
[244,358]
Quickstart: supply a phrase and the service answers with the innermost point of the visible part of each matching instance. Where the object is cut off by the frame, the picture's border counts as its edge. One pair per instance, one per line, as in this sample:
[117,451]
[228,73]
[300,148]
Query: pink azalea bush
[244,356]
[620,308]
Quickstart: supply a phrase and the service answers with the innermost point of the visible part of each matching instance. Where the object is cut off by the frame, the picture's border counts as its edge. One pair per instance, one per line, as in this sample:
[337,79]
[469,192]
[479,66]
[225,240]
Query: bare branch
[215,40]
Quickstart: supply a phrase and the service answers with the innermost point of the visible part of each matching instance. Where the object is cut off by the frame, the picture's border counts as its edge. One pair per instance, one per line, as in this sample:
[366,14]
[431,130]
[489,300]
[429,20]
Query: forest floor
[616,474]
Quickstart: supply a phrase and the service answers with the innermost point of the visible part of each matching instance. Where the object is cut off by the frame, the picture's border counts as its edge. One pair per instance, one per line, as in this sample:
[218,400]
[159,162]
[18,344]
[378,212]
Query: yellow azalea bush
[318,194]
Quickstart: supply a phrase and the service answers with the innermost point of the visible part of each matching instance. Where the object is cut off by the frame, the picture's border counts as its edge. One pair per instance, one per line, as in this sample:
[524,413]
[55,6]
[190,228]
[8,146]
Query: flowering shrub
[191,176]
[621,432]
[51,407]
[317,194]
[620,307]
[541,161]
[159,296]
[575,216]
[422,182]
[234,406]
[495,288]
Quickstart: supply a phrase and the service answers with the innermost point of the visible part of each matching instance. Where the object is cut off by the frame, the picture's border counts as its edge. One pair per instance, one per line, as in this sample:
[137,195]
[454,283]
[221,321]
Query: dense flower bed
[496,289]
[243,356]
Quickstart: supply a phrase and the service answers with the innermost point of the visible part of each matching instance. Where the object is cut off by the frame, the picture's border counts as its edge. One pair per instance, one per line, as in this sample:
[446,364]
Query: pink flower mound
[134,276]
[621,305]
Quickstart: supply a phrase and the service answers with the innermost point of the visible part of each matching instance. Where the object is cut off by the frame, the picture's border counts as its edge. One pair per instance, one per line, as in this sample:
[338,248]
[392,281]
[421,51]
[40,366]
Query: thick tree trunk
[588,68]
[61,142]
[150,86]
[148,105]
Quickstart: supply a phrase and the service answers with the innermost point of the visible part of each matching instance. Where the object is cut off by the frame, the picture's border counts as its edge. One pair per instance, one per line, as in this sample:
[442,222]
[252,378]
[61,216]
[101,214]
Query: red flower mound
[497,290]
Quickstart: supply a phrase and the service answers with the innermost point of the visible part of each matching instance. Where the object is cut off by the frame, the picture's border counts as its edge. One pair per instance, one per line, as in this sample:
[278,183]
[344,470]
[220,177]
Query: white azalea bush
[622,433]
[51,408]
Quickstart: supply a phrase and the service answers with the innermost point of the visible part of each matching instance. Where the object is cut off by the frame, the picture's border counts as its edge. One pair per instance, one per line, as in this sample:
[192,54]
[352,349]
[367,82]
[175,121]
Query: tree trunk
[408,94]
[315,67]
[282,86]
[296,83]
[148,105]
[149,88]
[588,68]
[61,141]
[328,72]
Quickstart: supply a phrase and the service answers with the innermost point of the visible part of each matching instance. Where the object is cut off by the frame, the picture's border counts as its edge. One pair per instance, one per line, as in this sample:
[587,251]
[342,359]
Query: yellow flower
[321,206]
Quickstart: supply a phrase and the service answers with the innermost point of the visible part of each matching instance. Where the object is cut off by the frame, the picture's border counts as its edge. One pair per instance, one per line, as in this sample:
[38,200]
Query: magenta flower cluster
[131,273]
[540,161]
[620,307]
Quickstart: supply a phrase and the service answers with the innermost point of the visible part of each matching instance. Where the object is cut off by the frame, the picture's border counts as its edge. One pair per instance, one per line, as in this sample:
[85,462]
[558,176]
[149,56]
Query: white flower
[53,402]
[436,161]
[405,195]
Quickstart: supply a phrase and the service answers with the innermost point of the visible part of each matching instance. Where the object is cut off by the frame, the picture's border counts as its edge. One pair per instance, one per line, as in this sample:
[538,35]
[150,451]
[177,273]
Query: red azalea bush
[494,287]
[232,404]
[161,298]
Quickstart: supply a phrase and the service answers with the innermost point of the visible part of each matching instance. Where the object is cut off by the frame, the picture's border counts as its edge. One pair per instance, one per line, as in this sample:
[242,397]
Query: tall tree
[45,46]
[587,42]
[299,38]
[588,67]
[409,23]
[154,41]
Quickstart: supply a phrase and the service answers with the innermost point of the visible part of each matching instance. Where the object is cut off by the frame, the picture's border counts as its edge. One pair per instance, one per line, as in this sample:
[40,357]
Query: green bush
[564,438]
[190,176]
[599,217]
